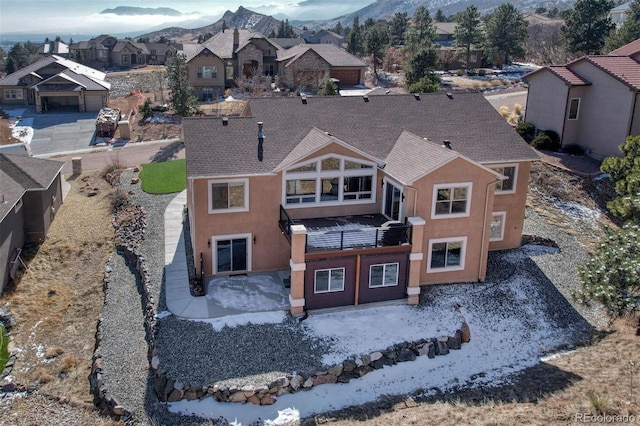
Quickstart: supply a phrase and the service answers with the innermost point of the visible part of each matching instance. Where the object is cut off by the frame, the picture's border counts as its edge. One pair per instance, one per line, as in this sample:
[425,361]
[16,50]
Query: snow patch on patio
[248,293]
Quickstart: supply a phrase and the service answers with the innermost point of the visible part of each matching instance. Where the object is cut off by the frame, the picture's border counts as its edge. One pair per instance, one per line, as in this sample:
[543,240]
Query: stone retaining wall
[171,390]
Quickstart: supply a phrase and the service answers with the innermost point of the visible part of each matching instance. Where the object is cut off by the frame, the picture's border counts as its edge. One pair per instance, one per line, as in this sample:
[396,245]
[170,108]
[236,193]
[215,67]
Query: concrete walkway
[176,278]
[236,295]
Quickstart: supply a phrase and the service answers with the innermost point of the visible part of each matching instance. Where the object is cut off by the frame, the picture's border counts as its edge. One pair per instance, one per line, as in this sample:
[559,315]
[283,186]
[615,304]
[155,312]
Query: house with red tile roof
[356,199]
[591,102]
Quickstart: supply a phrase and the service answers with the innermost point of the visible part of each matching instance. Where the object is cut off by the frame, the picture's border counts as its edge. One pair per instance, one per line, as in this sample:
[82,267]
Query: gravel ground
[124,348]
[241,355]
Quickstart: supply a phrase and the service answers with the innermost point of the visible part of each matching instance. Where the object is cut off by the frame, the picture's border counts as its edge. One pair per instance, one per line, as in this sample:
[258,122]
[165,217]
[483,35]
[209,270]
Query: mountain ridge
[135,11]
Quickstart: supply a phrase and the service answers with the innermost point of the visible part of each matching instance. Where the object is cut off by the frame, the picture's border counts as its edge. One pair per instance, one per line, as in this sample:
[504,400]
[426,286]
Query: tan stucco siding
[205,59]
[635,125]
[270,250]
[514,207]
[473,227]
[605,112]
[571,134]
[546,102]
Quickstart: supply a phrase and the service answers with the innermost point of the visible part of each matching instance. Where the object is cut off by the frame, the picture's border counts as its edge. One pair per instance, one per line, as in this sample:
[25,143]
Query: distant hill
[242,18]
[133,11]
[385,9]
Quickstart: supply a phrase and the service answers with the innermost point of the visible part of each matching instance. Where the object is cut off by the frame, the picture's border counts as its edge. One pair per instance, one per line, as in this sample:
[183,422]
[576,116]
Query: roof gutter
[484,228]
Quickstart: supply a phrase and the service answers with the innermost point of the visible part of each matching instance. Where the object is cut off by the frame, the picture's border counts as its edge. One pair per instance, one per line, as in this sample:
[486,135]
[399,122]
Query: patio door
[231,253]
[392,201]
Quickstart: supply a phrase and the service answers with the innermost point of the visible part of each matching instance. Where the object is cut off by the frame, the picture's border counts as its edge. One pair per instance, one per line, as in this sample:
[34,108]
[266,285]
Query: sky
[83,16]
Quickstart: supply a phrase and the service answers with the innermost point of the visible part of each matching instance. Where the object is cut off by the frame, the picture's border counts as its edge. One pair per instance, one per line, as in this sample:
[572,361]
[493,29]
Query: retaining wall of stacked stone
[171,390]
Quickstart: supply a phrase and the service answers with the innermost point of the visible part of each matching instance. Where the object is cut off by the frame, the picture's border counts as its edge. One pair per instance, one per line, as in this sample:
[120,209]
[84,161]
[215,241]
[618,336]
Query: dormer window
[330,180]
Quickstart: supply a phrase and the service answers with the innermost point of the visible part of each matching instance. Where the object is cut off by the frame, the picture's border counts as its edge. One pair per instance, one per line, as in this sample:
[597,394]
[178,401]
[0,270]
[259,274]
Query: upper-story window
[329,180]
[228,196]
[125,59]
[451,200]
[507,186]
[205,71]
[267,52]
[574,108]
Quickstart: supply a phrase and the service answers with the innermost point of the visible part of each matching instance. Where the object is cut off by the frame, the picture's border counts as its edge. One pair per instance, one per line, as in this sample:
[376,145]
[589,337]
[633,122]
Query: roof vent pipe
[447,144]
[304,99]
[225,121]
[260,141]
[366,98]
[417,96]
[449,95]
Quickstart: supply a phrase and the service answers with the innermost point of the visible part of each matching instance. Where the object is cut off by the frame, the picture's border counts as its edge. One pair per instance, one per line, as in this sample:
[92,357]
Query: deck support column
[415,259]
[298,268]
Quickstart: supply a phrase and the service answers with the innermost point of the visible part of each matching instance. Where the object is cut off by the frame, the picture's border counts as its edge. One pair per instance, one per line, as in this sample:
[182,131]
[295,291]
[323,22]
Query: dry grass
[57,300]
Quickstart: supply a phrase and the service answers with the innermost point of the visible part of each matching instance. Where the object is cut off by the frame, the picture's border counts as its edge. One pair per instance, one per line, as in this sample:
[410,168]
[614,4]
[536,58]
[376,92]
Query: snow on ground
[23,130]
[274,317]
[578,212]
[510,330]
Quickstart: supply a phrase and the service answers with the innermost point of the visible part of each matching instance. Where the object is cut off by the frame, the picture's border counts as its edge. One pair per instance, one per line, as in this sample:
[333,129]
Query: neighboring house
[30,195]
[591,102]
[53,83]
[106,52]
[323,37]
[215,64]
[362,199]
[307,65]
[54,48]
[286,43]
[448,55]
[619,14]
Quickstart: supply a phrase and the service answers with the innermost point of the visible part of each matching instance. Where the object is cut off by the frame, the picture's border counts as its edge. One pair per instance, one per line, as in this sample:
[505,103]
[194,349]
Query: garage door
[346,76]
[54,102]
[93,102]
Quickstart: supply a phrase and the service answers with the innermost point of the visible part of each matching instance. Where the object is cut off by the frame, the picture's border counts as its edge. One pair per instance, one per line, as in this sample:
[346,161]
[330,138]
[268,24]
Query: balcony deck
[350,232]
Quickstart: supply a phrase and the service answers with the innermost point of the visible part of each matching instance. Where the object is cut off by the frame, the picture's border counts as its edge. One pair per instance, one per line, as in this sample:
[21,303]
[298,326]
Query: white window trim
[463,256]
[318,175]
[315,277]
[504,219]
[468,185]
[210,183]
[578,110]
[384,268]
[8,94]
[214,251]
[388,181]
[515,177]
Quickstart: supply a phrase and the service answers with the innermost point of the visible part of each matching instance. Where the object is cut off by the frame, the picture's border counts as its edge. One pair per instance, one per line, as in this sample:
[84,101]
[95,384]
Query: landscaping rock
[406,355]
[465,332]
[441,346]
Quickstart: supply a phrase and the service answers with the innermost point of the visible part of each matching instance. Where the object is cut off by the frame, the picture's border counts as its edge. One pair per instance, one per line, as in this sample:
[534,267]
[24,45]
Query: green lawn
[164,178]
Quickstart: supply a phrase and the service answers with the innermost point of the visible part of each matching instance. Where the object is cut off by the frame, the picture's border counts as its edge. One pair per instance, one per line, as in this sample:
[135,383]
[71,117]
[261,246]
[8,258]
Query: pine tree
[397,28]
[586,26]
[420,53]
[355,44]
[468,31]
[376,42]
[181,98]
[506,31]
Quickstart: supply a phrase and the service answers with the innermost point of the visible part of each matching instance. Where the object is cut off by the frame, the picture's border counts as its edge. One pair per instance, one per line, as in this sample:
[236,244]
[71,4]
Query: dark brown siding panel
[370,295]
[329,300]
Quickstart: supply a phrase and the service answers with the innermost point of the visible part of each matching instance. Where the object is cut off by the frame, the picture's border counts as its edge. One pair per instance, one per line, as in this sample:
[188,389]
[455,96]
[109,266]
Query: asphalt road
[129,155]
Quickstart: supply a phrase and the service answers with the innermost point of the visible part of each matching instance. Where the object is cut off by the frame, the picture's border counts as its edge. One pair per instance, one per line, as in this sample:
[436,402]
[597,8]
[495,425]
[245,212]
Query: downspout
[484,226]
[564,117]
[633,113]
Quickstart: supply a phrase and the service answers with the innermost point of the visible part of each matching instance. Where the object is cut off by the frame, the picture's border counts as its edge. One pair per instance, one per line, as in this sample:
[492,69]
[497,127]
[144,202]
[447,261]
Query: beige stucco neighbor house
[591,102]
[54,83]
[30,195]
[361,199]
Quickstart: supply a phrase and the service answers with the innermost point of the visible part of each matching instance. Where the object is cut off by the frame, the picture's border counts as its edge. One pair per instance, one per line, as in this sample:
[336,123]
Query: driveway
[59,132]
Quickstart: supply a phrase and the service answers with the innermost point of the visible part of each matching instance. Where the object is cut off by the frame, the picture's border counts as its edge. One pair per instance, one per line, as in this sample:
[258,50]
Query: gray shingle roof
[335,56]
[221,44]
[473,126]
[19,174]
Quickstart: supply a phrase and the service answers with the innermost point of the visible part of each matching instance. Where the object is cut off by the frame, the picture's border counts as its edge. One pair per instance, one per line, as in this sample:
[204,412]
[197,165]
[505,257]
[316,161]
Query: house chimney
[446,144]
[236,38]
[260,141]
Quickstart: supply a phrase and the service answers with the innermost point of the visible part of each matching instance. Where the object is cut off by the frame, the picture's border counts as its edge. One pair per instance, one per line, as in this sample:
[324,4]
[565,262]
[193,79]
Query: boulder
[375,356]
[453,342]
[238,397]
[441,346]
[268,399]
[431,350]
[296,382]
[324,379]
[349,365]
[465,332]
[406,355]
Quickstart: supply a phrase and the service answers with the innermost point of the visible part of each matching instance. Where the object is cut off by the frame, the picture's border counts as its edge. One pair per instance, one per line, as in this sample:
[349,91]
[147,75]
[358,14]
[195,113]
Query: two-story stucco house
[362,199]
[591,102]
[217,63]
